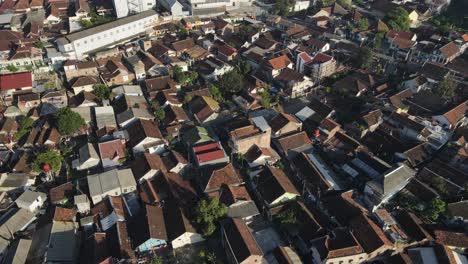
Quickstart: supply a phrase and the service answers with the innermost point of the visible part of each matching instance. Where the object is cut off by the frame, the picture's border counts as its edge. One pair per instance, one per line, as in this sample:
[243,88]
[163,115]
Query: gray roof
[101,28]
[105,116]
[88,152]
[110,180]
[13,180]
[62,243]
[16,222]
[21,253]
[127,89]
[140,113]
[30,196]
[84,112]
[244,209]
[6,18]
[82,198]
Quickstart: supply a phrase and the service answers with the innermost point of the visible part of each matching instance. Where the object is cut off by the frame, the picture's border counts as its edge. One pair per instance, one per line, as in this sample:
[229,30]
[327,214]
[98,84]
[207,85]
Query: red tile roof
[320,58]
[209,152]
[15,81]
[279,62]
[112,149]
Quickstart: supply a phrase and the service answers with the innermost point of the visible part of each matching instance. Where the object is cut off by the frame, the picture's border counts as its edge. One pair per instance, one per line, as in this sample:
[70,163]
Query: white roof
[261,123]
[305,113]
[30,197]
[105,116]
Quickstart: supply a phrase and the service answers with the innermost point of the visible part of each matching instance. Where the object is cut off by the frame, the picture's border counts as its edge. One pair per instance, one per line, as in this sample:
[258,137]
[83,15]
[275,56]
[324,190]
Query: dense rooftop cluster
[222,132]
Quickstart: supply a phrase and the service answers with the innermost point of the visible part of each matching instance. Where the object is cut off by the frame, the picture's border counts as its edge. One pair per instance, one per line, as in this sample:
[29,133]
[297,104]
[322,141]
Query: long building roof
[101,28]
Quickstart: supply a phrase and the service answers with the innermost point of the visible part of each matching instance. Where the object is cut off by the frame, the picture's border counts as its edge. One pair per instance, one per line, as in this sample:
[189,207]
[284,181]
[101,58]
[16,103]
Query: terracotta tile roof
[142,129]
[64,214]
[411,225]
[465,37]
[265,43]
[321,58]
[319,44]
[449,50]
[289,75]
[112,149]
[281,120]
[452,239]
[403,43]
[400,34]
[183,45]
[209,152]
[61,192]
[273,183]
[145,163]
[230,194]
[156,223]
[227,175]
[255,152]
[280,62]
[457,113]
[241,240]
[83,80]
[227,50]
[293,141]
[368,234]
[342,244]
[15,81]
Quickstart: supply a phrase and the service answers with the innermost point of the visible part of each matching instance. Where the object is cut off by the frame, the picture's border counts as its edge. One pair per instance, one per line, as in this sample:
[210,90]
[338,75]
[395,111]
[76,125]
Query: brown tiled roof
[457,113]
[145,163]
[142,129]
[23,164]
[241,240]
[83,80]
[160,83]
[449,50]
[452,239]
[288,75]
[64,214]
[319,44]
[177,222]
[156,223]
[411,225]
[368,234]
[265,43]
[61,192]
[403,43]
[273,182]
[281,120]
[280,62]
[293,141]
[111,149]
[183,44]
[230,194]
[342,244]
[126,250]
[255,152]
[227,175]
[181,190]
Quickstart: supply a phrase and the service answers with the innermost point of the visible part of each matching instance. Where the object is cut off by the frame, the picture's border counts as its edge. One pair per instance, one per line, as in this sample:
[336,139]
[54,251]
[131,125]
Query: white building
[124,8]
[111,183]
[31,201]
[79,44]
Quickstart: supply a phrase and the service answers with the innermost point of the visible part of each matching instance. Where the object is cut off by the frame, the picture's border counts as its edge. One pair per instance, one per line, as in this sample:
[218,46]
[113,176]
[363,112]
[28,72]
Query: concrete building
[80,44]
[31,201]
[125,8]
[113,182]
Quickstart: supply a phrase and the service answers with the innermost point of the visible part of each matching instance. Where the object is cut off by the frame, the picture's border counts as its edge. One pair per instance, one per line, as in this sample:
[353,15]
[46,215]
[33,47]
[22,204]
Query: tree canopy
[25,126]
[363,24]
[101,91]
[345,3]
[435,209]
[398,19]
[215,93]
[364,58]
[68,122]
[50,157]
[158,111]
[207,213]
[283,7]
[447,88]
[231,82]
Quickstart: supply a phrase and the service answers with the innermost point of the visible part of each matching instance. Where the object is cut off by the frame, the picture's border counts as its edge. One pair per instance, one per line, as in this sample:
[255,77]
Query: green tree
[363,24]
[398,19]
[325,3]
[378,39]
[283,7]
[157,260]
[12,68]
[345,3]
[207,213]
[85,23]
[101,91]
[215,93]
[265,98]
[158,111]
[39,44]
[187,98]
[447,88]
[206,258]
[182,33]
[68,122]
[364,58]
[25,125]
[231,82]
[435,209]
[50,157]
[179,75]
